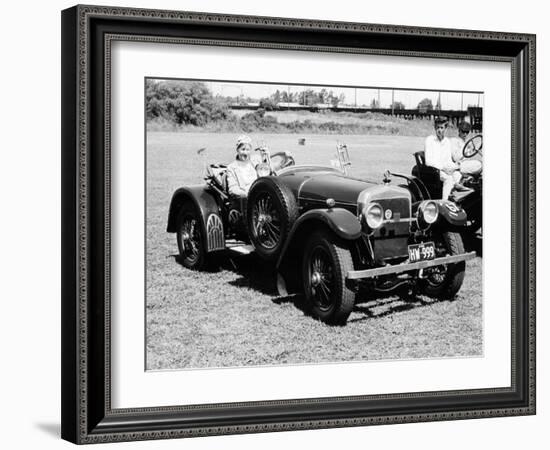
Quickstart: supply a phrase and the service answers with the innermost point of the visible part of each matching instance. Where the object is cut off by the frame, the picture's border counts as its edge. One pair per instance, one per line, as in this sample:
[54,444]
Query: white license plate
[421,252]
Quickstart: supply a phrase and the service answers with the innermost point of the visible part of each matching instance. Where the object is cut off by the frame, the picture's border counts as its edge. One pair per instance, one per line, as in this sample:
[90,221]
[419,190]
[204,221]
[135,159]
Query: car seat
[218,173]
[428,175]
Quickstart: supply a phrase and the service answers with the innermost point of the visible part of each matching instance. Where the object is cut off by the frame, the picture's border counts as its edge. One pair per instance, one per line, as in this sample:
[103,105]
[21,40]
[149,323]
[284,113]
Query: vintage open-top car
[328,234]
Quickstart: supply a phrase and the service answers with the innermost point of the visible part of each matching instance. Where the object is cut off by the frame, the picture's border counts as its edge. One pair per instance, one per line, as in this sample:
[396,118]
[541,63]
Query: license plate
[421,252]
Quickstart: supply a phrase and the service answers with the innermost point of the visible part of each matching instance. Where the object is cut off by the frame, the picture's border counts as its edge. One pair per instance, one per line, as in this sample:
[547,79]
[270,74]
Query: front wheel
[445,281]
[190,239]
[327,260]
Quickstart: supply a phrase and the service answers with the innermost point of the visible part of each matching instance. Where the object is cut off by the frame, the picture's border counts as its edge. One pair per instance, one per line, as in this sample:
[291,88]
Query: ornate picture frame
[88,33]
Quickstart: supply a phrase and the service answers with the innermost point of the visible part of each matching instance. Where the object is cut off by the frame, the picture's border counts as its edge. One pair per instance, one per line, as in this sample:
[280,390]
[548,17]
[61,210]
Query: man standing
[438,153]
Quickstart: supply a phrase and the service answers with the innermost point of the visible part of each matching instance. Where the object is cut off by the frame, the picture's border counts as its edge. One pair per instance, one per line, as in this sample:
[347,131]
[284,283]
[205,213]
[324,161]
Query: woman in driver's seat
[241,173]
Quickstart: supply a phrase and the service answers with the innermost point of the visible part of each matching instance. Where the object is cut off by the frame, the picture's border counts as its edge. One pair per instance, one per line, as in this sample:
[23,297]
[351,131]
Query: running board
[386,270]
[242,249]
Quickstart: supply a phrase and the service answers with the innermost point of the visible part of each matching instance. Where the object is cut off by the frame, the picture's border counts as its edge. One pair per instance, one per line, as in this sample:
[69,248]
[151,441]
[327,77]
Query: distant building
[475,114]
[289,105]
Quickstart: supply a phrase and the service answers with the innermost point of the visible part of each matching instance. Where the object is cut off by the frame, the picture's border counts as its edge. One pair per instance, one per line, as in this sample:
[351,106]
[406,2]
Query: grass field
[233,316]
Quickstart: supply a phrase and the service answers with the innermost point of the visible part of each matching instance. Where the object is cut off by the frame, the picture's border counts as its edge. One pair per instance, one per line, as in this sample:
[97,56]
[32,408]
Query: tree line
[184,103]
[192,103]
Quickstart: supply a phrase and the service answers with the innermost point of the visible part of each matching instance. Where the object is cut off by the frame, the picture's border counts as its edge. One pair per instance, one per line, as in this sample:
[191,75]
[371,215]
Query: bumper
[405,267]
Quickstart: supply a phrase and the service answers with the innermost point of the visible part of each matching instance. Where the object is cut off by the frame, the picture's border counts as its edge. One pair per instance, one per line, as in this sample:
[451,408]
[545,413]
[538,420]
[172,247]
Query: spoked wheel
[190,239]
[271,212]
[446,280]
[321,279]
[267,221]
[436,277]
[326,263]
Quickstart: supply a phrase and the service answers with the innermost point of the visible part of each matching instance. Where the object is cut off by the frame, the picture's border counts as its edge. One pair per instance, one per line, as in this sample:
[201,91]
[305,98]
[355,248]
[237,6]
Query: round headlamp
[427,213]
[373,215]
[263,170]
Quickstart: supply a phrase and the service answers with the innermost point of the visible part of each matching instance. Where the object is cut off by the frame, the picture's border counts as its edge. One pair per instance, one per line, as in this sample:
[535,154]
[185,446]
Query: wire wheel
[326,262]
[321,279]
[446,280]
[270,213]
[436,275]
[266,221]
[190,240]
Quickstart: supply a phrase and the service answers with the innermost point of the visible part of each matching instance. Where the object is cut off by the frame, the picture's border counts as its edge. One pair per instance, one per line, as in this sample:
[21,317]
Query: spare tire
[271,211]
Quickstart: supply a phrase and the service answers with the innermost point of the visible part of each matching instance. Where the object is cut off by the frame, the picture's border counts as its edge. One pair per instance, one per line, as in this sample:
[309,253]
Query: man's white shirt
[438,153]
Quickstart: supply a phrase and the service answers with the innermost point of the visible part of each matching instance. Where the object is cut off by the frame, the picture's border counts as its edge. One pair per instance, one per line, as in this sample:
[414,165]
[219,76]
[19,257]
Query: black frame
[87,32]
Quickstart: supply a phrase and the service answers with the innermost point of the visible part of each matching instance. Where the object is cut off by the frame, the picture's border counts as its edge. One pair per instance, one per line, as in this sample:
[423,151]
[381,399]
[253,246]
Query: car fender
[418,190]
[207,206]
[341,221]
[451,213]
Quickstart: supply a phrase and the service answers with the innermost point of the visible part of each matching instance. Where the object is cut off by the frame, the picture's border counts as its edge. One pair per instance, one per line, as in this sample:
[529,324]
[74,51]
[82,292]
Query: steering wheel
[280,160]
[473,146]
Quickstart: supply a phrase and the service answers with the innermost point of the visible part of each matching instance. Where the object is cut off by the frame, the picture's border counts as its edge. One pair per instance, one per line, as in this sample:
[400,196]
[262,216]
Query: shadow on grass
[369,309]
[298,300]
[259,275]
[211,267]
[254,273]
[385,305]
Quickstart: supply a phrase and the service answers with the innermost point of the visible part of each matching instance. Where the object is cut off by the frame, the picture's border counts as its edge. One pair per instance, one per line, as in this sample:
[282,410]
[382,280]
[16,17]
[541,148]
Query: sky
[354,96]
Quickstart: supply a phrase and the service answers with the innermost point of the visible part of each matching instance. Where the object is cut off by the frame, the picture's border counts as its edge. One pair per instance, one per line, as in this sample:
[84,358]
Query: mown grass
[232,316]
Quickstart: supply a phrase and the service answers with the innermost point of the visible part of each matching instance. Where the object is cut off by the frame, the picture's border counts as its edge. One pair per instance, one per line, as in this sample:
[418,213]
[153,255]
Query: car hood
[318,185]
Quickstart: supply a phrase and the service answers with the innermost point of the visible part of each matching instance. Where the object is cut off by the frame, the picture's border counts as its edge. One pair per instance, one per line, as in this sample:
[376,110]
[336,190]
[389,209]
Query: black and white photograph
[291,224]
[275,225]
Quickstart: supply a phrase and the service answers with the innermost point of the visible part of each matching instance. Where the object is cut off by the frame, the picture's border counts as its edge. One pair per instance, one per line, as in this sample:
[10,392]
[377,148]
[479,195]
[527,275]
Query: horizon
[353,96]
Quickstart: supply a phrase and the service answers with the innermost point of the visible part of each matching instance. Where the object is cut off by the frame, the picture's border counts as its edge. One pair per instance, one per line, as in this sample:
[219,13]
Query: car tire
[271,211]
[446,284]
[190,238]
[326,262]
